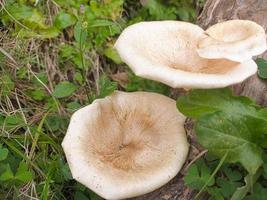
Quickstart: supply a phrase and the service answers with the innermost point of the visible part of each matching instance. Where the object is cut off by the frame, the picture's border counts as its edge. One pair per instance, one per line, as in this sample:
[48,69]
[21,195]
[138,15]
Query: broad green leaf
[200,102]
[262,66]
[224,133]
[64,89]
[3,152]
[64,20]
[7,174]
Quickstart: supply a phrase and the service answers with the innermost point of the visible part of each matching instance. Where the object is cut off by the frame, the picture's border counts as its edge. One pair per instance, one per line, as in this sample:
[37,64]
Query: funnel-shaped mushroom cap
[127,144]
[166,52]
[236,40]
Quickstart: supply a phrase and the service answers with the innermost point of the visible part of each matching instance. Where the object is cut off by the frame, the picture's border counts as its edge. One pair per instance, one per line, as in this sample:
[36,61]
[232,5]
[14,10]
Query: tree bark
[255,10]
[213,12]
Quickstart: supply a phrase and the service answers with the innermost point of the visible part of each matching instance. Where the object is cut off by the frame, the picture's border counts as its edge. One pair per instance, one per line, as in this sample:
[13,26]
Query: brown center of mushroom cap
[128,137]
[121,136]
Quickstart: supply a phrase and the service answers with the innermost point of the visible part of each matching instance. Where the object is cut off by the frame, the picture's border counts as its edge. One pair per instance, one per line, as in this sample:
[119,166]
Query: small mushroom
[166,51]
[127,144]
[236,40]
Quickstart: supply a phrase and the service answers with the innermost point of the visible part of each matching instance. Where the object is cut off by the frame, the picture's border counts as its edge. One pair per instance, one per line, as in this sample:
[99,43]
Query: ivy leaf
[198,174]
[262,66]
[64,89]
[223,133]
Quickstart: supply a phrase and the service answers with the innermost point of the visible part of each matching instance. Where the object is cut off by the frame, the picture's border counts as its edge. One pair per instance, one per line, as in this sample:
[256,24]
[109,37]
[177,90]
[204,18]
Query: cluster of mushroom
[129,144]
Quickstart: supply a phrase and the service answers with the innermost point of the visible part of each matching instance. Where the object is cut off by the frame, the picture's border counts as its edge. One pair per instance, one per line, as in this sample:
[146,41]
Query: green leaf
[200,102]
[106,86]
[215,193]
[197,175]
[64,89]
[222,132]
[6,85]
[78,195]
[265,166]
[241,192]
[38,94]
[259,193]
[14,120]
[23,174]
[64,20]
[136,83]
[160,12]
[72,106]
[262,66]
[7,174]
[227,187]
[3,152]
[80,34]
[112,54]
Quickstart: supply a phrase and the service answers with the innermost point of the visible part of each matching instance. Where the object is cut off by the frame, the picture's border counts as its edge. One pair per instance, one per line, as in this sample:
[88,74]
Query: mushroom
[236,40]
[166,51]
[126,144]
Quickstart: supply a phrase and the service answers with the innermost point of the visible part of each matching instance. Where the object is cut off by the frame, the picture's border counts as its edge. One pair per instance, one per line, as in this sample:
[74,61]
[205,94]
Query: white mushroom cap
[236,40]
[165,51]
[127,144]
